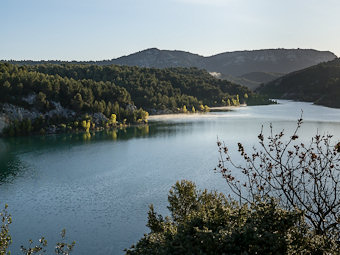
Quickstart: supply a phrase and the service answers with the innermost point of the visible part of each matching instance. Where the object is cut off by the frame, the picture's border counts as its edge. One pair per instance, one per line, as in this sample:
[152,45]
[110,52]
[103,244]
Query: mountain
[249,68]
[254,79]
[161,59]
[261,76]
[238,66]
[273,60]
[319,84]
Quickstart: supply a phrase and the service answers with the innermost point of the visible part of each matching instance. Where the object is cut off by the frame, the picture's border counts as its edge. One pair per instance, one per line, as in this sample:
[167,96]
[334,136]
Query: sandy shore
[226,108]
[192,115]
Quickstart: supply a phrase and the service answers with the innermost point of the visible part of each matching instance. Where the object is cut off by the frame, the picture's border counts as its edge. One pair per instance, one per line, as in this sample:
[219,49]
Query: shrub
[203,222]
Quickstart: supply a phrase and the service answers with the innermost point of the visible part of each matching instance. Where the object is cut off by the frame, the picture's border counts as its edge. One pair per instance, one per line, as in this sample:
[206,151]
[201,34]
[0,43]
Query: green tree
[77,102]
[41,101]
[113,119]
[203,222]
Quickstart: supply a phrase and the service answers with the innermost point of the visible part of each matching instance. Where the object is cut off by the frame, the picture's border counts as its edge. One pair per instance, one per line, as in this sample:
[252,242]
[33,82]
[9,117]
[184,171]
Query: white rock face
[60,111]
[99,118]
[12,112]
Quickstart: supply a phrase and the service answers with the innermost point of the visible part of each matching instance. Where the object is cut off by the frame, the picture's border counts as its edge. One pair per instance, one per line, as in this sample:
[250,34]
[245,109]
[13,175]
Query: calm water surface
[99,187]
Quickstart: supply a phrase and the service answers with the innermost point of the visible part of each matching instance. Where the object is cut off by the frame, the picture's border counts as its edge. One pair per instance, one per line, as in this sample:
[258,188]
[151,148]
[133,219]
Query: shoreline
[226,108]
[156,117]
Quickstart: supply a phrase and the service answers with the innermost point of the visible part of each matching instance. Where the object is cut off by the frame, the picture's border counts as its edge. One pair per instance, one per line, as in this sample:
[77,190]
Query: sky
[106,29]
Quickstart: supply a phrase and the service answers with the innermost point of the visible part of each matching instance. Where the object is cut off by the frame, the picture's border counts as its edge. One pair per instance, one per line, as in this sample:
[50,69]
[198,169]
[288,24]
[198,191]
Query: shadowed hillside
[319,84]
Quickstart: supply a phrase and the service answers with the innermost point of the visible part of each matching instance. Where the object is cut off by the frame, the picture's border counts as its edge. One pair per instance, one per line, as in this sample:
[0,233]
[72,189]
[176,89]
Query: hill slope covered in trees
[59,94]
[319,84]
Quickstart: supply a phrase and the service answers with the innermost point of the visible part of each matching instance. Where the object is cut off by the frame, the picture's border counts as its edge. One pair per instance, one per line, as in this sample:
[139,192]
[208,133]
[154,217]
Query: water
[99,187]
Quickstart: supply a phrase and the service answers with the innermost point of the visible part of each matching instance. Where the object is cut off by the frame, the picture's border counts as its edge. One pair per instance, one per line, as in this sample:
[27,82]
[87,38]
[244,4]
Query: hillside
[252,80]
[50,94]
[319,84]
[248,68]
[231,65]
[262,77]
[272,60]
[161,59]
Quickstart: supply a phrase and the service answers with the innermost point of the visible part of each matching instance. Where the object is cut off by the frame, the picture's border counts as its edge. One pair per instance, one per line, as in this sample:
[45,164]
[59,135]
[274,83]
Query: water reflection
[99,185]
[11,165]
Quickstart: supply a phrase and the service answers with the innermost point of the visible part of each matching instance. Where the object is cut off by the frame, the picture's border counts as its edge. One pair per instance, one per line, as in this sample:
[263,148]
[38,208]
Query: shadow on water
[12,148]
[10,164]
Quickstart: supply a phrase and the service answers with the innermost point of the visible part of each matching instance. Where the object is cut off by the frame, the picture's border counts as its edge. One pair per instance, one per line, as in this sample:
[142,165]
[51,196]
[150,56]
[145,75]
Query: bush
[61,248]
[288,197]
[203,222]
[302,176]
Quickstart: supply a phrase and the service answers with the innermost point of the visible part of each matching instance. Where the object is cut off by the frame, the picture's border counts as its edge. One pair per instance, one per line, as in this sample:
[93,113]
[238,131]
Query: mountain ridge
[233,65]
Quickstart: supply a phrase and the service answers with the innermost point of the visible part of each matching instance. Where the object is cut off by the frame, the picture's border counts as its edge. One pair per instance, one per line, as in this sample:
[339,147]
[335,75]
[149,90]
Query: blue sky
[105,29]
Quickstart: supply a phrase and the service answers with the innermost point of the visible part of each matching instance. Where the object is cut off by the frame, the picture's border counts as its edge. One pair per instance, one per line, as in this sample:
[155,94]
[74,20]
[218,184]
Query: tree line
[127,92]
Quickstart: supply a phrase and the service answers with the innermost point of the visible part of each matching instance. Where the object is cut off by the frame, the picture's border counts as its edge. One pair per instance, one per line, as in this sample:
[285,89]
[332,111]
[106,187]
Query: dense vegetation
[153,88]
[319,84]
[119,93]
[203,222]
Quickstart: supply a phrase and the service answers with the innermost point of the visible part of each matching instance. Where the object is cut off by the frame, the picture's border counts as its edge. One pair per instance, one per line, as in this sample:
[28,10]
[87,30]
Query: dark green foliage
[77,95]
[91,88]
[319,84]
[152,88]
[87,89]
[203,222]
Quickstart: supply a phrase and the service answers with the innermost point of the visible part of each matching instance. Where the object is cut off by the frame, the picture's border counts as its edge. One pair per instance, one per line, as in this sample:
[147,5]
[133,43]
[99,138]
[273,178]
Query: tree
[5,237]
[5,88]
[113,119]
[303,176]
[144,115]
[203,222]
[77,102]
[61,248]
[41,101]
[245,98]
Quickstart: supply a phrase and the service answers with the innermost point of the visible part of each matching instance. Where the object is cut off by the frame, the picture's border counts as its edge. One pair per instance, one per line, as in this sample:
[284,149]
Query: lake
[99,187]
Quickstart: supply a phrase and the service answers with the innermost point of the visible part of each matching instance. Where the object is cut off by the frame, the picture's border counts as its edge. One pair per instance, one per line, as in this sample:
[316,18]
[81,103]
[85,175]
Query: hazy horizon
[103,29]
[70,60]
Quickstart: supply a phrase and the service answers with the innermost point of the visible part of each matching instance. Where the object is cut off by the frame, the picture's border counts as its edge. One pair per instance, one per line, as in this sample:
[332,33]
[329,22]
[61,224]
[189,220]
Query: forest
[120,93]
[319,84]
